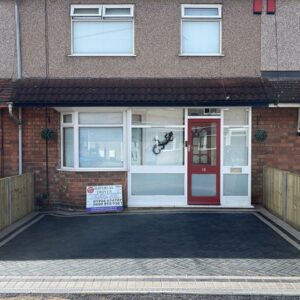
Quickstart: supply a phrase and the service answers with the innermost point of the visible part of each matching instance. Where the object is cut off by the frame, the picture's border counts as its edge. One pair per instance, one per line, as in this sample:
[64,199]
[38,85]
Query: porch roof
[283,91]
[142,92]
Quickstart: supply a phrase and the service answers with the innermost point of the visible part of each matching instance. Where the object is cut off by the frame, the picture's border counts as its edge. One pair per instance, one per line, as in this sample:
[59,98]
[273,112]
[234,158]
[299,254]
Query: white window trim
[237,201]
[218,6]
[75,125]
[73,7]
[201,19]
[130,6]
[102,18]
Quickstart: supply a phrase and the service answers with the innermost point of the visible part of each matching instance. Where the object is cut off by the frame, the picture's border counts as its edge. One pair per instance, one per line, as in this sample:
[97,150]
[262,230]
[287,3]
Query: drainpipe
[18,40]
[18,119]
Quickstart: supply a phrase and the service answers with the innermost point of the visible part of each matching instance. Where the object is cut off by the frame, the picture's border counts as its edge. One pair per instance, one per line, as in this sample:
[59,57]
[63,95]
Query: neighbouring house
[180,103]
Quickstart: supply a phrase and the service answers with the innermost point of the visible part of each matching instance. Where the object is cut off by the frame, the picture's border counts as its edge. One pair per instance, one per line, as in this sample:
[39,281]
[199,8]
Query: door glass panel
[204,144]
[204,184]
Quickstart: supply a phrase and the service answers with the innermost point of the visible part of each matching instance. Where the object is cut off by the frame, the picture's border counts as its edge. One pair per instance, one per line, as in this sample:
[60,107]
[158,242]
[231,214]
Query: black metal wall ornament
[260,134]
[160,145]
[47,133]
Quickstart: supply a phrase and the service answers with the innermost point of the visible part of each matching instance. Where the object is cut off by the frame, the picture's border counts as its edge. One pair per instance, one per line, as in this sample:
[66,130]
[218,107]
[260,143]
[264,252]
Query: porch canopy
[145,92]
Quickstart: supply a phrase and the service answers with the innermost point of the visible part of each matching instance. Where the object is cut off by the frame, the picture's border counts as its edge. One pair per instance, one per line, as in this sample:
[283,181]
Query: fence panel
[4,203]
[16,198]
[282,195]
[274,191]
[293,200]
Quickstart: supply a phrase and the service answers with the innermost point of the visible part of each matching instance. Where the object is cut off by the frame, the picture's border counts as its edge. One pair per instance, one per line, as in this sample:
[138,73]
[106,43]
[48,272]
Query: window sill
[202,54]
[91,170]
[102,55]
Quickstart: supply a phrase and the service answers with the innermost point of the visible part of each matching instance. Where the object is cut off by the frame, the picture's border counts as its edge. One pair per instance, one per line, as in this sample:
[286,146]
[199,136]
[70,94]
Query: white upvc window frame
[155,200]
[101,17]
[230,200]
[207,18]
[76,126]
[87,6]
[130,6]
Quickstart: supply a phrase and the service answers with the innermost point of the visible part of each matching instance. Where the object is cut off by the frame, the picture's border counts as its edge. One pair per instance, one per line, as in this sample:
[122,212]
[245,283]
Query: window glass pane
[86,11]
[157,184]
[235,146]
[200,37]
[68,147]
[67,118]
[100,118]
[145,143]
[204,185]
[235,185]
[117,11]
[236,116]
[107,37]
[101,147]
[202,12]
[157,117]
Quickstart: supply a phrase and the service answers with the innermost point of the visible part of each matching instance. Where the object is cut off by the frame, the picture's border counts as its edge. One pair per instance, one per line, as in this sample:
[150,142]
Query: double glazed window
[102,29]
[108,30]
[201,29]
[93,140]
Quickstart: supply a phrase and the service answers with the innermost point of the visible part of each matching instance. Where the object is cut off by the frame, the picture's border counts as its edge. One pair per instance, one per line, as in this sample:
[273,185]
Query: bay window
[93,140]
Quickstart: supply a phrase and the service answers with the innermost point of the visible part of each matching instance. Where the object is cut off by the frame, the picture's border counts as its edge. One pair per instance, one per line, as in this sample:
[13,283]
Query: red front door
[204,161]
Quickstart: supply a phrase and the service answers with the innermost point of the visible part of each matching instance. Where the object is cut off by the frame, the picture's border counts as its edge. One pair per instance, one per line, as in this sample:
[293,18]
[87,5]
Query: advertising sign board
[104,198]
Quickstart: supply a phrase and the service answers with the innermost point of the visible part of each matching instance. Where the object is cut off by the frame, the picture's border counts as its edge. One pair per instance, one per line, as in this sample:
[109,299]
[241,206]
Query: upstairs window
[102,30]
[201,29]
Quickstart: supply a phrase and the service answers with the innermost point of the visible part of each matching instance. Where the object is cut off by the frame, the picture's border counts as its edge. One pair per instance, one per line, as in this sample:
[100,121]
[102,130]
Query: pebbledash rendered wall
[67,188]
[157,42]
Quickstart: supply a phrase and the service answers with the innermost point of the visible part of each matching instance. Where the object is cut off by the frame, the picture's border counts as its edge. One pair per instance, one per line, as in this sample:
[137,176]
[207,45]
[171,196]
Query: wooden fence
[16,198]
[282,195]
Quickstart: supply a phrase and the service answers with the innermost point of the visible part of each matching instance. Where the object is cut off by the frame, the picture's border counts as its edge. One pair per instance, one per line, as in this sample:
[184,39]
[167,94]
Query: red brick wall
[9,152]
[65,188]
[280,150]
[8,132]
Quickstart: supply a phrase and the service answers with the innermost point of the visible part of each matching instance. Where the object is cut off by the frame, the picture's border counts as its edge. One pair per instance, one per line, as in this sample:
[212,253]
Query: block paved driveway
[170,244]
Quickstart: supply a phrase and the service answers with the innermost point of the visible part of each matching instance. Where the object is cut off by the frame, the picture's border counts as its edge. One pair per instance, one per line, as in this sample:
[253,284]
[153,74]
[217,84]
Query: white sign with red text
[104,198]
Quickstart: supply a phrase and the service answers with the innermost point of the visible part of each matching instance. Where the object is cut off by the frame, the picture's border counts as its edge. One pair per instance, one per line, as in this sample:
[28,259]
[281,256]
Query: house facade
[180,103]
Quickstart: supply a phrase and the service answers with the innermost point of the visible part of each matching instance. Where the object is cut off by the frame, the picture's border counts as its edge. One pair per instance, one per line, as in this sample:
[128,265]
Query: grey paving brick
[183,244]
